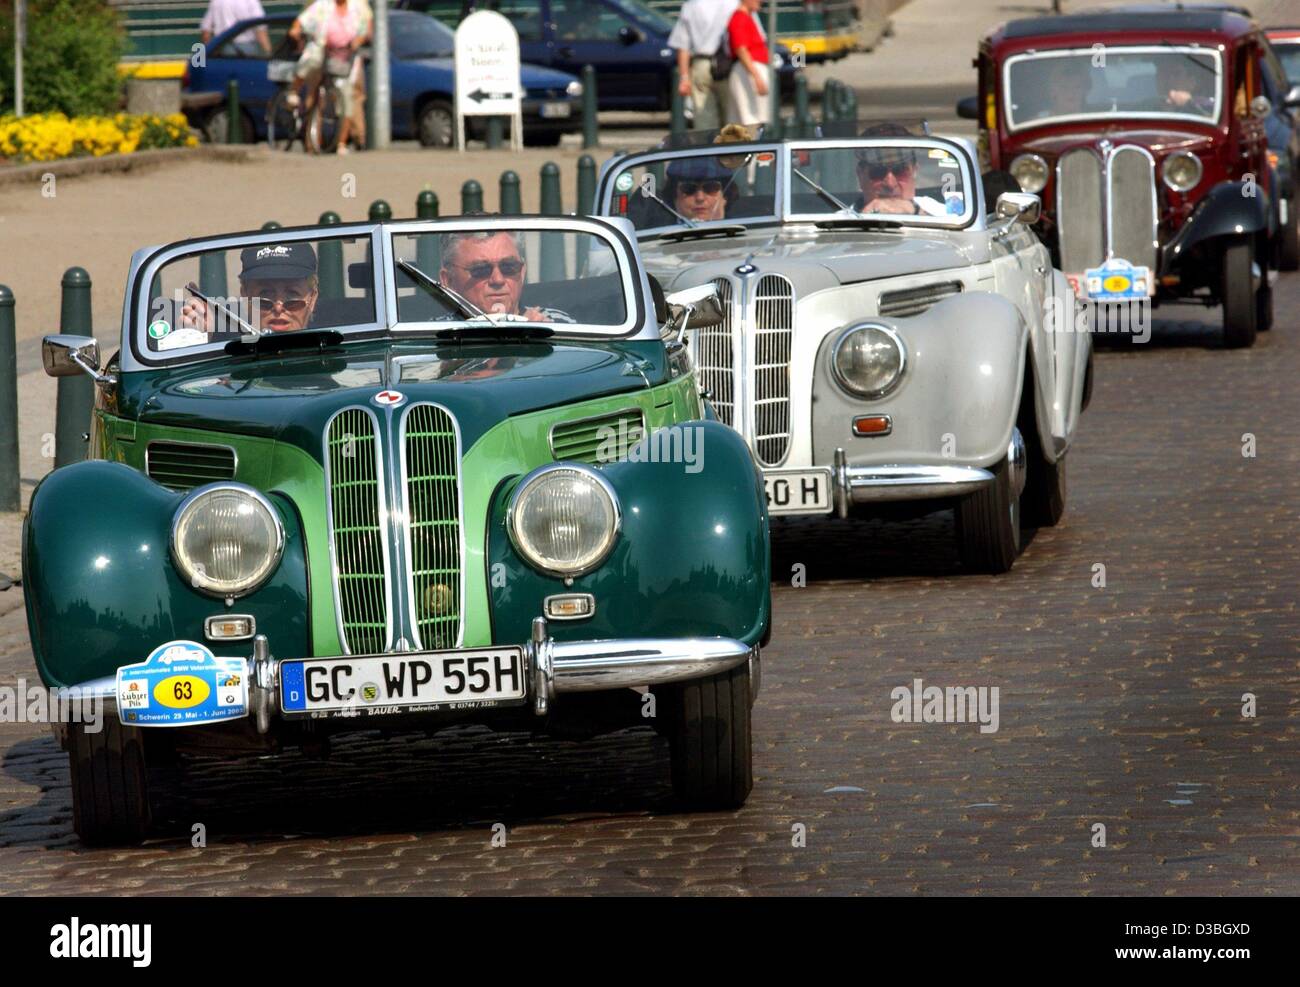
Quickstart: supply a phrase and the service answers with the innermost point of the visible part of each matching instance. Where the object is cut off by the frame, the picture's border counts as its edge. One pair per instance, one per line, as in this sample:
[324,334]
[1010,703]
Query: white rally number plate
[402,683]
[798,491]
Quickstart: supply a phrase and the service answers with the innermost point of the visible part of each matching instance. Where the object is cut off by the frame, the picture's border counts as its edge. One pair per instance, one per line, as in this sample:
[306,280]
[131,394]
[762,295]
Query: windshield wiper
[277,342]
[685,219]
[860,222]
[467,309]
[700,232]
[250,330]
[828,196]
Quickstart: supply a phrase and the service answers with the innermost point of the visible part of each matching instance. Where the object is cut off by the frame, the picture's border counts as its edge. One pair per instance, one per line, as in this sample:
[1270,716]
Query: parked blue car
[422,80]
[625,41]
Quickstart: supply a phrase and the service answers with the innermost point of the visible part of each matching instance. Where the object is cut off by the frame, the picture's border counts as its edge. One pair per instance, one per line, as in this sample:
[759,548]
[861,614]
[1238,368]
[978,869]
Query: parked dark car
[1152,161]
[624,40]
[422,79]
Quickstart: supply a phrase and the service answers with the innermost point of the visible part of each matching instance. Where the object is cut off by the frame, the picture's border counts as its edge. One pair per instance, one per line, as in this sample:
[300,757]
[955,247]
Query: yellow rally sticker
[1116,282]
[181,691]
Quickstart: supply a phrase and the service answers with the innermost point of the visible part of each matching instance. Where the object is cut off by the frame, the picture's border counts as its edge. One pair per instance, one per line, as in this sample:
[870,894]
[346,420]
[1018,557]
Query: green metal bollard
[590,125]
[552,244]
[775,129]
[586,185]
[76,395]
[678,127]
[850,111]
[494,133]
[510,202]
[471,197]
[329,260]
[370,104]
[803,125]
[427,251]
[10,496]
[829,106]
[212,274]
[234,117]
[380,211]
[271,224]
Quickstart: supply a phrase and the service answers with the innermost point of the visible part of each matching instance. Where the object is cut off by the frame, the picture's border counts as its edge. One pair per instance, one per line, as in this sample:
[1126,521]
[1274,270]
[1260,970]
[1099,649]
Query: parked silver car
[894,334]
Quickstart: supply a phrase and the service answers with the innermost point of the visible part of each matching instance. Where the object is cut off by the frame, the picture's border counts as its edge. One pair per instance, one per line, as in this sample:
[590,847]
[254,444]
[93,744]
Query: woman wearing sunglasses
[701,188]
[279,282]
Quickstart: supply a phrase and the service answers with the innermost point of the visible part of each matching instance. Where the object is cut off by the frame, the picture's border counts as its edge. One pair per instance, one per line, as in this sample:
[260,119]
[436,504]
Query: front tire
[1240,308]
[1288,248]
[110,783]
[1046,490]
[436,126]
[988,524]
[708,728]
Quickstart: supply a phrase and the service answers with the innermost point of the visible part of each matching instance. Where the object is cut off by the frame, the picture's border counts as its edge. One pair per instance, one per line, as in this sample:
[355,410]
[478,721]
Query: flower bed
[52,136]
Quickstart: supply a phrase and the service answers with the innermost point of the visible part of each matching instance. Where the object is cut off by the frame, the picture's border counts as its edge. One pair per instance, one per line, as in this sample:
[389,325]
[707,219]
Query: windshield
[561,280]
[646,15]
[1289,55]
[420,36]
[696,189]
[908,182]
[210,297]
[1149,81]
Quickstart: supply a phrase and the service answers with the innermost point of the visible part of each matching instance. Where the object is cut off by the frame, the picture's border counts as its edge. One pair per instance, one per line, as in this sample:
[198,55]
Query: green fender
[693,558]
[101,589]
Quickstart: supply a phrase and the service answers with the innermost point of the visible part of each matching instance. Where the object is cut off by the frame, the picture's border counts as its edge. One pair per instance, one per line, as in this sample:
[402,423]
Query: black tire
[1288,247]
[283,123]
[708,729]
[1046,490]
[110,783]
[1240,312]
[321,125]
[1264,306]
[988,524]
[542,138]
[436,126]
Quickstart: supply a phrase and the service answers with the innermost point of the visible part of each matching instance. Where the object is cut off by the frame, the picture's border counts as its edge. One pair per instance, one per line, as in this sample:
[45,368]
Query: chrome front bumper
[880,484]
[553,668]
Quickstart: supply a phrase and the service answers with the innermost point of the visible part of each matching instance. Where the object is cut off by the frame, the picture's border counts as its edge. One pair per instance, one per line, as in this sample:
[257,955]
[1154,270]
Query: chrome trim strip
[382,508]
[868,484]
[412,611]
[592,666]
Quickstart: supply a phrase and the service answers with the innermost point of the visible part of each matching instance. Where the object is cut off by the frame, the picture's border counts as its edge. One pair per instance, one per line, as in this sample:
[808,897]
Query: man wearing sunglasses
[488,269]
[887,177]
[280,283]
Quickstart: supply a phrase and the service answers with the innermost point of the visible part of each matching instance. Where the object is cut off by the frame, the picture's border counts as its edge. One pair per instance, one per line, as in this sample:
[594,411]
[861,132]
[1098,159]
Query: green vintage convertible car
[397,476]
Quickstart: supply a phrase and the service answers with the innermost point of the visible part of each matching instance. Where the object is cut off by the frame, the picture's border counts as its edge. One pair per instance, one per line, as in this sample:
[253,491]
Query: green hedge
[70,59]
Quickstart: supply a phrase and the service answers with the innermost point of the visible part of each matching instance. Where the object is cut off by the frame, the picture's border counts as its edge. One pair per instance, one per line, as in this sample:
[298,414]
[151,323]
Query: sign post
[487,74]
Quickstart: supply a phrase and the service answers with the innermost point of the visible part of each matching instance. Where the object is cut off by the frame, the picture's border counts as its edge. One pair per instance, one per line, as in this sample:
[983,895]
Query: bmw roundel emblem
[389,398]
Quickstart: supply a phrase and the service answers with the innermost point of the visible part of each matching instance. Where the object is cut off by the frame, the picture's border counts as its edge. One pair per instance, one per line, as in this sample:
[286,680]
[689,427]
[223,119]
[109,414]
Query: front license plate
[798,491]
[554,111]
[421,682]
[182,684]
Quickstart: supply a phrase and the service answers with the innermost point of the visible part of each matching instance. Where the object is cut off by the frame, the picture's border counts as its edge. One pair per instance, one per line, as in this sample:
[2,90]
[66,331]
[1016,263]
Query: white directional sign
[487,73]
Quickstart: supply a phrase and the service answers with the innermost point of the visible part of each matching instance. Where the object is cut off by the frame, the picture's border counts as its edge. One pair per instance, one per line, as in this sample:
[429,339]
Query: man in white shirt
[222,14]
[700,31]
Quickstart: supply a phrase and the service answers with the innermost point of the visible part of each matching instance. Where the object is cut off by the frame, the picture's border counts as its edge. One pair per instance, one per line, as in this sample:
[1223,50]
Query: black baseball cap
[277,262]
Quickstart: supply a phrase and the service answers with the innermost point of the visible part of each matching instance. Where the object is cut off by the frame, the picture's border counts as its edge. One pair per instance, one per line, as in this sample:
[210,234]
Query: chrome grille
[914,301]
[185,465]
[1132,207]
[586,440]
[354,479]
[773,334]
[431,468]
[1079,210]
[715,359]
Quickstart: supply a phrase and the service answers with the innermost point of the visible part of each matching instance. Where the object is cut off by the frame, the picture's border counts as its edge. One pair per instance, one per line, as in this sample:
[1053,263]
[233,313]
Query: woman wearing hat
[748,85]
[278,279]
[701,188]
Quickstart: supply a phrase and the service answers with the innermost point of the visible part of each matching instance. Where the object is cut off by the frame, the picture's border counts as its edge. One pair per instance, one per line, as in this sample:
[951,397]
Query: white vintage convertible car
[895,339]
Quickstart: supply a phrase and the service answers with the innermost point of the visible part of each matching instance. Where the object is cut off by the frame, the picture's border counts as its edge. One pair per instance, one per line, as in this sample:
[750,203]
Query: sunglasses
[876,172]
[510,268]
[291,305]
[691,188]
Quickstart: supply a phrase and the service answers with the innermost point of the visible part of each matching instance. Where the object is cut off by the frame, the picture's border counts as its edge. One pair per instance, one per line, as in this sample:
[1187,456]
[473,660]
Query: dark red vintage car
[1144,133]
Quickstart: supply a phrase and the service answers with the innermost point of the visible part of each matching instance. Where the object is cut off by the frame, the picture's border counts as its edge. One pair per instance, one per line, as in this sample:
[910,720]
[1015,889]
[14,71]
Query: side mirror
[1292,100]
[67,356]
[1019,207]
[969,108]
[698,306]
[1260,106]
[629,35]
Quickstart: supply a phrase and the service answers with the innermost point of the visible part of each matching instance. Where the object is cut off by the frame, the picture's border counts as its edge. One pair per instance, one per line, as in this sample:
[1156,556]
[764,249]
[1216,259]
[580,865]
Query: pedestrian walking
[333,30]
[222,14]
[700,37]
[748,84]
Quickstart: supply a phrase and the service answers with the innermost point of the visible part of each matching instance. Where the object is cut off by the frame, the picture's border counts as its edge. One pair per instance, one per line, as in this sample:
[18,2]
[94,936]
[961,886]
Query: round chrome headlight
[1031,172]
[226,539]
[868,360]
[564,519]
[1181,171]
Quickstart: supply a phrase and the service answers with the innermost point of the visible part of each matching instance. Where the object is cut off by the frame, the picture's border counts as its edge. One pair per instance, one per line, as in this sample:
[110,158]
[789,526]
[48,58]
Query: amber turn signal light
[870,425]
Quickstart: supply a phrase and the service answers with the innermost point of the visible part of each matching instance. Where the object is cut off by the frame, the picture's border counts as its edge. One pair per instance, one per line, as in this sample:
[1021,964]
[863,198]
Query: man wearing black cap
[278,279]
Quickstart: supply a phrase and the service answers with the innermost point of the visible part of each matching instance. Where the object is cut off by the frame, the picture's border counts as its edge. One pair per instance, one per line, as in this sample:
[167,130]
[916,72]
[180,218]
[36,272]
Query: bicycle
[313,121]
